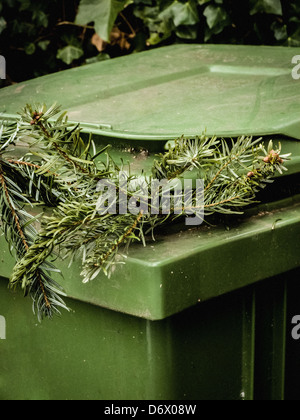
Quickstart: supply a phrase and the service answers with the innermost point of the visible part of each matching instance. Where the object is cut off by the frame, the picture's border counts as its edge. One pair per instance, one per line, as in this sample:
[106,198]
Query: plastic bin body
[230,348]
[95,353]
[199,314]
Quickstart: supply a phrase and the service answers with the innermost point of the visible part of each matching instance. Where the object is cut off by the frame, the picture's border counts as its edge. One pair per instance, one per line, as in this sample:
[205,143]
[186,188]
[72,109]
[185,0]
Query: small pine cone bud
[267,159]
[32,122]
[250,174]
[274,154]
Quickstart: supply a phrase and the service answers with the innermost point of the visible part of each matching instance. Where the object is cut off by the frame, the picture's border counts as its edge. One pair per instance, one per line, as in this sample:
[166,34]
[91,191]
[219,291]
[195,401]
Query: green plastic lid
[225,90]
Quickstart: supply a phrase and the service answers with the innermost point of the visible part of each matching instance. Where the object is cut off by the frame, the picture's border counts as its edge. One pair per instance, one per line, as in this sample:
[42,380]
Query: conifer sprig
[59,170]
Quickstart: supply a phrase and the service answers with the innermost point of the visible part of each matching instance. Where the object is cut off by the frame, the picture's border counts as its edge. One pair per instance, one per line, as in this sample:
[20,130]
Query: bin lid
[225,90]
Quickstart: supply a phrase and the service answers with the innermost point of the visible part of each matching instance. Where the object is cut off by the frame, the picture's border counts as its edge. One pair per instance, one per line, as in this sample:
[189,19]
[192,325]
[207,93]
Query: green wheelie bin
[201,314]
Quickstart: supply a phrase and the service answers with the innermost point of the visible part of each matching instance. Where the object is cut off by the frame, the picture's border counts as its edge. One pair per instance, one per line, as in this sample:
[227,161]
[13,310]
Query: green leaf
[217,18]
[201,2]
[97,58]
[40,18]
[2,24]
[30,49]
[163,32]
[160,28]
[25,5]
[10,3]
[266,6]
[280,31]
[148,2]
[294,40]
[69,54]
[44,44]
[181,13]
[102,12]
[187,32]
[146,13]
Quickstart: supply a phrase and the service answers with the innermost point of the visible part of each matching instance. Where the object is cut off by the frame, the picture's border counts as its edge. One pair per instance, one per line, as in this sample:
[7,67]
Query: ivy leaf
[40,18]
[160,28]
[181,13]
[25,5]
[30,48]
[3,24]
[294,40]
[187,32]
[280,31]
[100,57]
[102,12]
[266,6]
[10,3]
[159,32]
[217,18]
[201,2]
[44,44]
[69,54]
[148,2]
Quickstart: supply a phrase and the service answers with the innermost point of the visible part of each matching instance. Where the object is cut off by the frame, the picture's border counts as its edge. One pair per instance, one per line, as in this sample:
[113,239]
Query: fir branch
[217,204]
[115,246]
[12,207]
[60,170]
[185,154]
[20,233]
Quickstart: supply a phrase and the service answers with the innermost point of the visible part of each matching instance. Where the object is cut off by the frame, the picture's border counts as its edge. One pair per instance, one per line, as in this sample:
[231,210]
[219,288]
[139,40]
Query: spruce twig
[60,171]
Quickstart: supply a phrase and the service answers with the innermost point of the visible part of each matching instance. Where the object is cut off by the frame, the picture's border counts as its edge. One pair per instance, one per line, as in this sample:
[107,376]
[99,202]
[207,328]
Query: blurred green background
[41,37]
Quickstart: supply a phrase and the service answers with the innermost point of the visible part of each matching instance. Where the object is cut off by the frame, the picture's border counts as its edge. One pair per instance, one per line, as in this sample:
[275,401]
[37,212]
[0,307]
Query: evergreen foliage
[60,171]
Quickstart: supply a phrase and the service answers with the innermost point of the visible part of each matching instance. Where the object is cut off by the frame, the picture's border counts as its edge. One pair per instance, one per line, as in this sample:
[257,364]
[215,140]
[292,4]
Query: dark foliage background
[40,37]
